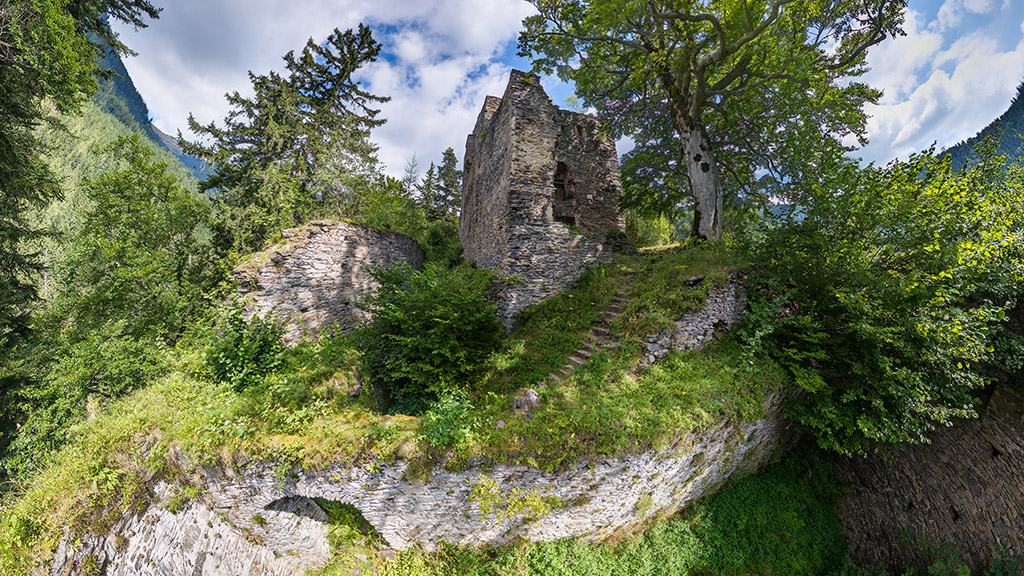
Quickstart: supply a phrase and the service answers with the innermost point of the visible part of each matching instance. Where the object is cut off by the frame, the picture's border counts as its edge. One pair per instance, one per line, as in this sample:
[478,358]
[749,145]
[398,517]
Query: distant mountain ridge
[1011,141]
[118,96]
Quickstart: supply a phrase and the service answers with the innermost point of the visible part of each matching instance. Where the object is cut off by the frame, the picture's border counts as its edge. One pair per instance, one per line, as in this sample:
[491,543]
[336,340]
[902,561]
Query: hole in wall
[562,192]
[581,132]
[347,524]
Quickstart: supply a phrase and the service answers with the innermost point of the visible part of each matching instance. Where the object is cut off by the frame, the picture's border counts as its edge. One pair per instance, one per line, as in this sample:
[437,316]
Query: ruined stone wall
[540,194]
[488,161]
[965,489]
[253,521]
[314,277]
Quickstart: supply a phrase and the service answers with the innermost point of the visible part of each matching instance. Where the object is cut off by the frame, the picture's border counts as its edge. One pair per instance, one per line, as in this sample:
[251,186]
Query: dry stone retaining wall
[723,309]
[315,276]
[965,489]
[254,522]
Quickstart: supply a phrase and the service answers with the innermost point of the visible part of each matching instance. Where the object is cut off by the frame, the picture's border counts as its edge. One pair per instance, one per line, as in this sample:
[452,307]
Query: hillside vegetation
[878,311]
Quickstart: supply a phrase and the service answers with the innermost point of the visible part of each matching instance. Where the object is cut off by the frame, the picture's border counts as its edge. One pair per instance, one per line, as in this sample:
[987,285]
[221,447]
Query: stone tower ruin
[540,194]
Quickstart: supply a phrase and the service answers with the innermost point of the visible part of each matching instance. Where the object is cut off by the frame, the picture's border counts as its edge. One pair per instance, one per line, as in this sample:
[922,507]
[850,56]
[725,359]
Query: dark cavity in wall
[330,512]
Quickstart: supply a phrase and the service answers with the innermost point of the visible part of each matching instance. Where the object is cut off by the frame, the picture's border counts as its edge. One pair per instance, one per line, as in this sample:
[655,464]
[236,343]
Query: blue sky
[955,71]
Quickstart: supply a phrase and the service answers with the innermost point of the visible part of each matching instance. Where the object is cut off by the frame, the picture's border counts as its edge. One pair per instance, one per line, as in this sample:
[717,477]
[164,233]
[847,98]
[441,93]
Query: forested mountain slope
[1009,128]
[118,97]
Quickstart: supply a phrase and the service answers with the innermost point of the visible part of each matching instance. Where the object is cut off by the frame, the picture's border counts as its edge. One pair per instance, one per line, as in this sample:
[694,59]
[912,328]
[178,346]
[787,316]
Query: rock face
[540,194]
[965,489]
[255,522]
[313,278]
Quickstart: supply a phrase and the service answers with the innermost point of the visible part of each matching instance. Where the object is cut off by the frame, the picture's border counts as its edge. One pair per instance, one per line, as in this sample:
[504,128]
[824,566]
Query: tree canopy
[46,59]
[713,86]
[299,146]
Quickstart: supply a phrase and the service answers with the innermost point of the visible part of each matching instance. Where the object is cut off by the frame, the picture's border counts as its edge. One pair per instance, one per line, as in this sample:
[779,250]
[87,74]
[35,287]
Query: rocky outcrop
[540,194]
[314,277]
[965,489]
[258,521]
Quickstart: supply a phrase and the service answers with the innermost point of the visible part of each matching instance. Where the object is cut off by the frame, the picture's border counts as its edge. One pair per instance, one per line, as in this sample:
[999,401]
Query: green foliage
[713,90]
[549,332]
[45,55]
[431,331]
[514,504]
[441,244]
[449,421]
[298,148]
[136,274]
[387,204]
[242,352]
[647,231]
[885,299]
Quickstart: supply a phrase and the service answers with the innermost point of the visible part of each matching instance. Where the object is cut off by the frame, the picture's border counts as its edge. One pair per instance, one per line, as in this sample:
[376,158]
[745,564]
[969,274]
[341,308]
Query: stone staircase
[600,337]
[724,308]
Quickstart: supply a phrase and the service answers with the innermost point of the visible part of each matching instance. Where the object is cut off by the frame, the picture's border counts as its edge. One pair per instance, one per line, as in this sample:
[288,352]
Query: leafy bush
[243,351]
[449,421]
[884,299]
[431,330]
[441,243]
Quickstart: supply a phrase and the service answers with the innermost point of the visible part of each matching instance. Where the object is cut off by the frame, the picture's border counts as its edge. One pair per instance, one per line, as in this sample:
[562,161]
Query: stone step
[600,331]
[614,308]
[566,371]
[577,360]
[606,343]
[589,345]
[554,378]
[584,353]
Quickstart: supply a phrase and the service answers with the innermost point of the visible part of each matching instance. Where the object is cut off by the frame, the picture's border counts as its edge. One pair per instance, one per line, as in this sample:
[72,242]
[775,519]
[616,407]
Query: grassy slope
[303,414]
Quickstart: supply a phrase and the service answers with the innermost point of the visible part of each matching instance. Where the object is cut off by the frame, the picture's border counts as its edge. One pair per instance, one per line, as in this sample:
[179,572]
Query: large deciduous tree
[299,146]
[745,82]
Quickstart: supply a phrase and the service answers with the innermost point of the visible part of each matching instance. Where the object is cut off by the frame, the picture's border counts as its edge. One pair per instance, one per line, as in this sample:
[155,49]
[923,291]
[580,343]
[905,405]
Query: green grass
[306,415]
[777,522]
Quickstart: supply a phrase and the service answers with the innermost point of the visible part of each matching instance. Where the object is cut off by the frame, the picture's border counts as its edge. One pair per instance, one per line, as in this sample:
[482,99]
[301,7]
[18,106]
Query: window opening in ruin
[580,132]
[561,183]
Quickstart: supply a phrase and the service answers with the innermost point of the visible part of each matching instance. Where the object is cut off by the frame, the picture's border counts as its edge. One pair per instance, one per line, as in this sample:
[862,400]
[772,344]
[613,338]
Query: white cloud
[952,12]
[440,60]
[946,107]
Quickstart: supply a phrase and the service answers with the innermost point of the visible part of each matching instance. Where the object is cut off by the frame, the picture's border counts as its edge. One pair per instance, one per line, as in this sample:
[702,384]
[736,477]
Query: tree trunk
[702,170]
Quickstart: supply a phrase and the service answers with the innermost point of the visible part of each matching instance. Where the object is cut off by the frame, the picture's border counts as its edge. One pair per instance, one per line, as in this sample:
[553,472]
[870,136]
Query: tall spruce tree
[299,147]
[450,189]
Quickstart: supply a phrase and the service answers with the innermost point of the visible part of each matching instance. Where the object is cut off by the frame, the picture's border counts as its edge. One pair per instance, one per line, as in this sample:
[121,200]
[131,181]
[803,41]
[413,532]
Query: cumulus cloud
[941,87]
[439,60]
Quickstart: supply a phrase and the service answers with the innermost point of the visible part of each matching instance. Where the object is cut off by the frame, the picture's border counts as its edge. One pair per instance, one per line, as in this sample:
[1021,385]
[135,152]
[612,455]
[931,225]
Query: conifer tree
[450,184]
[299,147]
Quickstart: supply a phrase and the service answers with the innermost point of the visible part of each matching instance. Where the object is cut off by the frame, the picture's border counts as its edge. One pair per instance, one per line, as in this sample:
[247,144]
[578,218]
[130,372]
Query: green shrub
[432,330]
[242,352]
[441,243]
[885,298]
[448,421]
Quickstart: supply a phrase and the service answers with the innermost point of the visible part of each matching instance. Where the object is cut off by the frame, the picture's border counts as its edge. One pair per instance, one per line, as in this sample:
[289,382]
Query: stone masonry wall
[254,522]
[965,489]
[316,275]
[540,194]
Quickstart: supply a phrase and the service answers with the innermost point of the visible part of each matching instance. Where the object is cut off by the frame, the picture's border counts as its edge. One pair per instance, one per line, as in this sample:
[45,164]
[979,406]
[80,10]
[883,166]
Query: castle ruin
[540,194]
